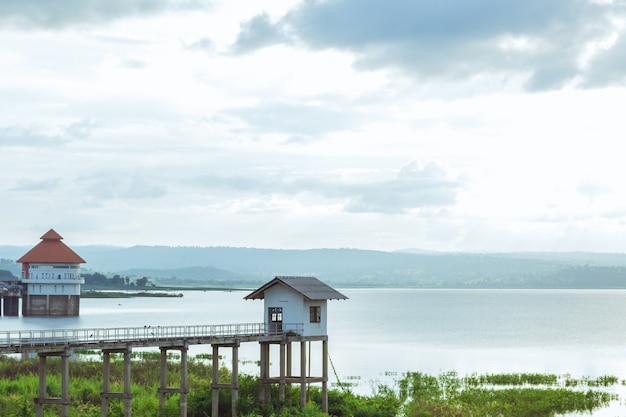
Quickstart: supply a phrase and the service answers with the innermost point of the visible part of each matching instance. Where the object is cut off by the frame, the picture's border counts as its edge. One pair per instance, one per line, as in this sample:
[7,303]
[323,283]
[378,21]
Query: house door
[276,319]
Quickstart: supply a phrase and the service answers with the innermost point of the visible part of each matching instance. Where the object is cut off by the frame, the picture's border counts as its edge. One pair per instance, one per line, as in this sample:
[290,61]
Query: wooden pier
[62,342]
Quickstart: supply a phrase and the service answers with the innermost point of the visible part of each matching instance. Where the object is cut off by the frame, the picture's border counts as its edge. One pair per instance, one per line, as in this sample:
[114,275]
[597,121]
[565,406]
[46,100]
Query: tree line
[97,279]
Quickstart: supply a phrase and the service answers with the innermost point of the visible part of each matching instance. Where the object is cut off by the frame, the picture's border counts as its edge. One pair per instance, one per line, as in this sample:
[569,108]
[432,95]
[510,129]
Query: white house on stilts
[296,307]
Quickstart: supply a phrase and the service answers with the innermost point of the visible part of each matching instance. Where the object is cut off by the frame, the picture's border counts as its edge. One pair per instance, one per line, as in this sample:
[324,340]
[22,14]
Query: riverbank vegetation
[413,394]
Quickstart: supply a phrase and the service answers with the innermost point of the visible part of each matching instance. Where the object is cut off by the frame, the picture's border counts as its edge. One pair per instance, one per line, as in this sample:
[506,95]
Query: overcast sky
[448,125]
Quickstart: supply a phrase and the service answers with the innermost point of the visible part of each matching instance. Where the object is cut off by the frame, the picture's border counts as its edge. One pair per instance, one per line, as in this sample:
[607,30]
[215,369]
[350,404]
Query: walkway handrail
[22,339]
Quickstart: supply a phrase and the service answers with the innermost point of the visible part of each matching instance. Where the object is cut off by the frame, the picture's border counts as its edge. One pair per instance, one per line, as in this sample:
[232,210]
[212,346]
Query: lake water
[380,333]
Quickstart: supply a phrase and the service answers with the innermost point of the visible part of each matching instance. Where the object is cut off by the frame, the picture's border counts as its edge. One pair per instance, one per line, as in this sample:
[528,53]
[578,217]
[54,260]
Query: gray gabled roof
[310,287]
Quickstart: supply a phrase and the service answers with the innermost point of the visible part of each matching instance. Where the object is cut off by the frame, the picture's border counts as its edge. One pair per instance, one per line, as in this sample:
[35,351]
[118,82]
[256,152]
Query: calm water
[379,333]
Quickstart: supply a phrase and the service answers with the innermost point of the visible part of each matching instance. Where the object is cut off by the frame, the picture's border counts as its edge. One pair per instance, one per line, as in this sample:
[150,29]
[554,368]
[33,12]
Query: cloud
[59,13]
[133,63]
[415,187]
[37,136]
[257,33]
[27,185]
[608,64]
[23,136]
[204,45]
[453,40]
[122,186]
[297,118]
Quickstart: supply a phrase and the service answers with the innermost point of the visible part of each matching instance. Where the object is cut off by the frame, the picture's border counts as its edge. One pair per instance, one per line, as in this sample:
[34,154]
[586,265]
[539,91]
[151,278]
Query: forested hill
[351,267]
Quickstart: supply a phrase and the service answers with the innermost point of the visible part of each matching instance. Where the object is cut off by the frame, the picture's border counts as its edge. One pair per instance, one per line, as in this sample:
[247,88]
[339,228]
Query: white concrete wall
[50,279]
[295,309]
[288,299]
[53,288]
[314,329]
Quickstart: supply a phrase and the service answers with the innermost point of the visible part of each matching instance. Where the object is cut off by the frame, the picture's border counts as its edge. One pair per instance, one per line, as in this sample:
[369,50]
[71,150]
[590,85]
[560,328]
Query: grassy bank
[413,394]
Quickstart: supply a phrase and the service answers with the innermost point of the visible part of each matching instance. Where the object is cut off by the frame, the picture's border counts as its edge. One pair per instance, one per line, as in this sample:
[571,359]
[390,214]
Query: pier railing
[84,337]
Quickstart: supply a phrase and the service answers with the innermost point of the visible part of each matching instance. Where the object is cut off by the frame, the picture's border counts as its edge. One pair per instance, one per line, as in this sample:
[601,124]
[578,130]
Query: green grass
[413,394]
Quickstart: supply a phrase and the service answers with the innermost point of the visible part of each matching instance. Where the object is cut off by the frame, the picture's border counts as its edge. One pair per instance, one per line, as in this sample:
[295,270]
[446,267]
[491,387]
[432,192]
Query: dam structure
[50,281]
[294,313]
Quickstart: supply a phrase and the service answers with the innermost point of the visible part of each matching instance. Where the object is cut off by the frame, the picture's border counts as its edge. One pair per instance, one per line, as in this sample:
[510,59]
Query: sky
[473,125]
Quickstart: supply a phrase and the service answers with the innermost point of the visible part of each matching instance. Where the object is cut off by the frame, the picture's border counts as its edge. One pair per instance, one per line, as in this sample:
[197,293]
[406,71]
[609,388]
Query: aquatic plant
[504,395]
[412,394]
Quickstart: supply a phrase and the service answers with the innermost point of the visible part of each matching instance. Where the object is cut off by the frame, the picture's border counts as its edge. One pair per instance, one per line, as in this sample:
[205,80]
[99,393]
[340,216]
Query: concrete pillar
[183,390]
[302,374]
[325,376]
[289,359]
[42,386]
[106,395]
[127,394]
[106,382]
[235,379]
[281,382]
[11,305]
[234,383]
[183,382]
[65,384]
[43,399]
[163,378]
[264,373]
[215,382]
[25,303]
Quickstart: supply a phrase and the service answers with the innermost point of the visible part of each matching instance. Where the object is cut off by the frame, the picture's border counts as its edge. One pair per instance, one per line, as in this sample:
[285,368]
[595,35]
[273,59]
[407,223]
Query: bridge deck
[158,336]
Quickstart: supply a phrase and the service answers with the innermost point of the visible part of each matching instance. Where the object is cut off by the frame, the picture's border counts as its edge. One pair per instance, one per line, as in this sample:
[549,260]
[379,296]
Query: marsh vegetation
[412,394]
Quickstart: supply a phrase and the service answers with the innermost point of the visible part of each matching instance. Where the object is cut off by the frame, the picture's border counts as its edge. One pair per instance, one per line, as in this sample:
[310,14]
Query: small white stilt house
[296,304]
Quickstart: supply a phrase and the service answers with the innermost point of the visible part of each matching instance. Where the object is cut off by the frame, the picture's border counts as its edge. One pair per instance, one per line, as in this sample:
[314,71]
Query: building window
[315,313]
[276,314]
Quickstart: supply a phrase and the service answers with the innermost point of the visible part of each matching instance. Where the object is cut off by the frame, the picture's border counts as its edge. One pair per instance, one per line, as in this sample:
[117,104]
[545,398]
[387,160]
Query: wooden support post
[325,376]
[235,379]
[261,372]
[302,374]
[127,394]
[264,363]
[289,359]
[65,384]
[43,399]
[106,394]
[281,382]
[268,388]
[234,383]
[183,381]
[42,386]
[215,382]
[106,382]
[163,378]
[164,389]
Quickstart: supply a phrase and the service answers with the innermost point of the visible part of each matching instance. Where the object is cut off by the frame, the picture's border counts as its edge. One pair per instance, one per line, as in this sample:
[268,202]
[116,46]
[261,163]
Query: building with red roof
[51,278]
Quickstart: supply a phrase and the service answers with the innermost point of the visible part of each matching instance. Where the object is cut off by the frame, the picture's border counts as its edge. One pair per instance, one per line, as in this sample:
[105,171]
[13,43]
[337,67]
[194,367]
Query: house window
[315,313]
[276,314]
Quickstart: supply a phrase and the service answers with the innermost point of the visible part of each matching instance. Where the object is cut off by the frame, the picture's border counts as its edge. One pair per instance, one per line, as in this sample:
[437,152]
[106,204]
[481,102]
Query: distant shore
[103,292]
[129,294]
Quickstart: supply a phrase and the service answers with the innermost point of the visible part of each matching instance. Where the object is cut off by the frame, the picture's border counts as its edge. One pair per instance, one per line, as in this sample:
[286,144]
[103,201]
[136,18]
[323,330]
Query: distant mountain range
[350,267]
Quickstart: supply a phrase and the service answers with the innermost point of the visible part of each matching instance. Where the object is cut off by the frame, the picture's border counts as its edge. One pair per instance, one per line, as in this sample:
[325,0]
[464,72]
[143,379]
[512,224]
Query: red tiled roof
[51,250]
